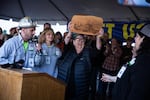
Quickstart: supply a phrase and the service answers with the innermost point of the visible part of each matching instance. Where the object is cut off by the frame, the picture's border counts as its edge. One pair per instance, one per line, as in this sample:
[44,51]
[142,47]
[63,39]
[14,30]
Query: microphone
[6,65]
[18,64]
[35,40]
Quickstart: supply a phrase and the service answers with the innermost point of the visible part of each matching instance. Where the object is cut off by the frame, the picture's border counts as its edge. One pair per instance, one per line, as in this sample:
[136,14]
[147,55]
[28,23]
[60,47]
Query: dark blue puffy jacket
[74,69]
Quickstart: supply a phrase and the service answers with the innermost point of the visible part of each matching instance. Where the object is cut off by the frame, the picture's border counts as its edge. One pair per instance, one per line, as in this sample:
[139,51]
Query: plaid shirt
[112,60]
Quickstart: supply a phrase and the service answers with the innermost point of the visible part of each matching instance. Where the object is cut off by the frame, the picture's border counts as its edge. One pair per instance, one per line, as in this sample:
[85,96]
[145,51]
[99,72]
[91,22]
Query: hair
[130,39]
[74,35]
[47,24]
[42,38]
[1,31]
[59,33]
[145,45]
[117,40]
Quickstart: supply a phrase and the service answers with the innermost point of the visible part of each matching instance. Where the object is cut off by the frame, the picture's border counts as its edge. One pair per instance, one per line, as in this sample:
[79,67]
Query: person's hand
[108,78]
[69,27]
[38,47]
[134,54]
[100,33]
[105,78]
[69,35]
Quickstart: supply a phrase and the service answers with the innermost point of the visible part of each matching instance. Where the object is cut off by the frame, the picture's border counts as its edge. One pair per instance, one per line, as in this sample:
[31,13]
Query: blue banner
[122,30]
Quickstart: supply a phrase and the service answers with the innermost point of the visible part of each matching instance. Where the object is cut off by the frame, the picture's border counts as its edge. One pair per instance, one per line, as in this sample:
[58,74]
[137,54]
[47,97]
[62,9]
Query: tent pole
[137,18]
[59,9]
[21,7]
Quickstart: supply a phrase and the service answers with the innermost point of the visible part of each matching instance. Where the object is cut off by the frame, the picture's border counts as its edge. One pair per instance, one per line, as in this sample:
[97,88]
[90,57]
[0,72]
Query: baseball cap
[146,30]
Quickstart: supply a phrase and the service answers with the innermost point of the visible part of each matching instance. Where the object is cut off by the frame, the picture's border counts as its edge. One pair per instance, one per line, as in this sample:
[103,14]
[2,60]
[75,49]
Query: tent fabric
[61,11]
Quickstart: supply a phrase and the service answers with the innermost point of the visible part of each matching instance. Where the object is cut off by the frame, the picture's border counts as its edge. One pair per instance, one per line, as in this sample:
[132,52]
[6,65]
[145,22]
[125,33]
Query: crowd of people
[92,67]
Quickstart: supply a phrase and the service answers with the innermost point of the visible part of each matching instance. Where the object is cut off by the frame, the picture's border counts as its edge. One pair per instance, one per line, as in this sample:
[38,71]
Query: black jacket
[75,69]
[135,82]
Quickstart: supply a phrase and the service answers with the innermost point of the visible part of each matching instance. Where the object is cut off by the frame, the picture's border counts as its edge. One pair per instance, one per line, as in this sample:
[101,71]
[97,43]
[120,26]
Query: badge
[44,52]
[31,62]
[31,46]
[121,71]
[57,53]
[48,60]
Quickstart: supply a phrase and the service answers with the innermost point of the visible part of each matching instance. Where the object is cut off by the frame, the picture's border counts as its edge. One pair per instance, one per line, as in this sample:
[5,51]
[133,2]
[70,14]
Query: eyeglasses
[80,39]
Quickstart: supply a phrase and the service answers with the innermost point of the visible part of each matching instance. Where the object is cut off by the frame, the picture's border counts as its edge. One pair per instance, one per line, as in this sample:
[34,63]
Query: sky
[6,25]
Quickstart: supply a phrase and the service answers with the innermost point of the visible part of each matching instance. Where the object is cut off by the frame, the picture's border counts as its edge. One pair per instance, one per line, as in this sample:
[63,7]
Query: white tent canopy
[61,11]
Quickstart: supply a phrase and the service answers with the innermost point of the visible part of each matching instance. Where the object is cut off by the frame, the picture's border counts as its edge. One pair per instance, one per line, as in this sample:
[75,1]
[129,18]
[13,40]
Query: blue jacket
[46,61]
[13,50]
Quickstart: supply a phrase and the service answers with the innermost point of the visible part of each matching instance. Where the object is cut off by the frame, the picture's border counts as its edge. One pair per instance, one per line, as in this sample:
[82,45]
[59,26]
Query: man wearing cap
[15,51]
